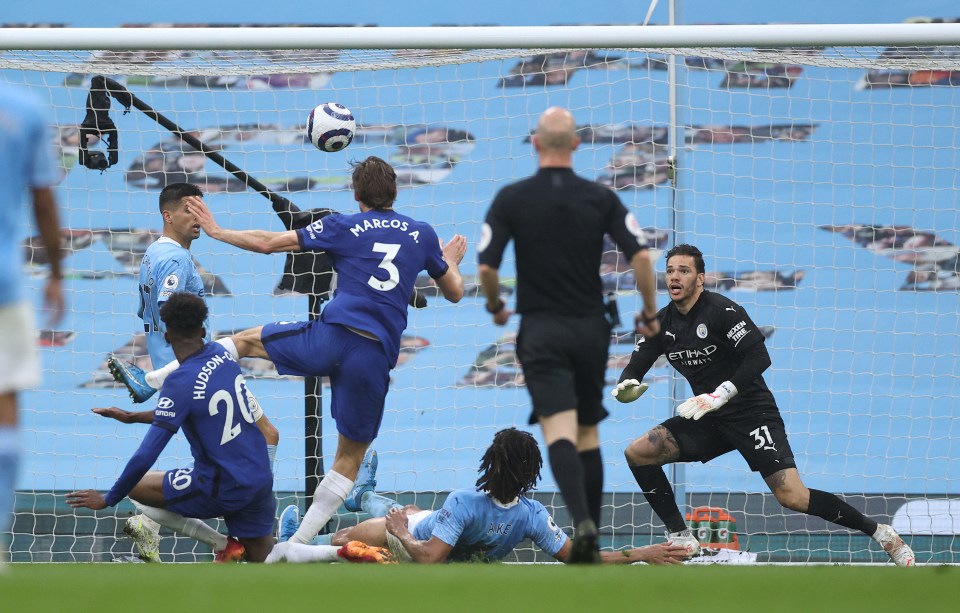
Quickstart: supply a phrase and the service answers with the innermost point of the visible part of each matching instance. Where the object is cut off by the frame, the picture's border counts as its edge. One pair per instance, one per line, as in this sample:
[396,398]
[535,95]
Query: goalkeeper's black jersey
[706,346]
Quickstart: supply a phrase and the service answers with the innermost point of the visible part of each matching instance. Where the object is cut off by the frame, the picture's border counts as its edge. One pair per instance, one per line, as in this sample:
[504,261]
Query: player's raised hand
[646,324]
[90,499]
[629,390]
[698,406]
[454,250]
[199,209]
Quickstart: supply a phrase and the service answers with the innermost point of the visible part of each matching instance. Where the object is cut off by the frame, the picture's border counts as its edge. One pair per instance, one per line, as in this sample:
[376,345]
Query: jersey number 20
[231,431]
[389,252]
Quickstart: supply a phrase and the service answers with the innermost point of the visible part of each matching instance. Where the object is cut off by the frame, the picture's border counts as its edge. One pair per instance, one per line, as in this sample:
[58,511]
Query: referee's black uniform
[557,221]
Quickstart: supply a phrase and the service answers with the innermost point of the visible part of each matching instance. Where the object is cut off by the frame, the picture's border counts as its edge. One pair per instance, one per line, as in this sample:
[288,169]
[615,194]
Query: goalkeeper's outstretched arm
[645,354]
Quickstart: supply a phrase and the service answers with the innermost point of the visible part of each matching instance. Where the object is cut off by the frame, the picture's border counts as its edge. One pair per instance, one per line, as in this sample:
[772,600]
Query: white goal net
[820,181]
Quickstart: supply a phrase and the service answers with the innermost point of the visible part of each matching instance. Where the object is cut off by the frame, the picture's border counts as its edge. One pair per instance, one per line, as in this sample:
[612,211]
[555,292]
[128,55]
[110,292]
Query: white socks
[187,526]
[300,553]
[155,378]
[326,500]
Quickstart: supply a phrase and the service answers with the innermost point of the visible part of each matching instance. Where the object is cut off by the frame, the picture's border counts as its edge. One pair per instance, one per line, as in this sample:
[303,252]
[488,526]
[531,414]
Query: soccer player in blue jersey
[27,171]
[377,254]
[231,477]
[481,524]
[167,268]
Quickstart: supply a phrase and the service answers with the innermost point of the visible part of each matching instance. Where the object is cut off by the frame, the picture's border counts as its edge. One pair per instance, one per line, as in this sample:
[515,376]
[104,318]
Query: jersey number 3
[231,431]
[389,252]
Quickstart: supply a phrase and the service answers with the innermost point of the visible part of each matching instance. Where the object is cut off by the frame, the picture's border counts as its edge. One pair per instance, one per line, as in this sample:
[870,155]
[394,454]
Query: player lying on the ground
[718,349]
[230,477]
[482,524]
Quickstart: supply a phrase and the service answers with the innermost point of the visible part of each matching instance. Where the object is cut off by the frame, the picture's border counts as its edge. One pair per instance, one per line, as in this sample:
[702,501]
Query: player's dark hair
[511,465]
[175,192]
[184,314]
[685,249]
[374,183]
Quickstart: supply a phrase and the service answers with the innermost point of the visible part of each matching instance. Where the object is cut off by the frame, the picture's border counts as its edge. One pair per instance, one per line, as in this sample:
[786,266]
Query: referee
[557,221]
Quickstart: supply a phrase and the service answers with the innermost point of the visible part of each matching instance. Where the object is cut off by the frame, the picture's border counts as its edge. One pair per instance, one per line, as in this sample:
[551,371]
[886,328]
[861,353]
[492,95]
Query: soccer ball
[330,127]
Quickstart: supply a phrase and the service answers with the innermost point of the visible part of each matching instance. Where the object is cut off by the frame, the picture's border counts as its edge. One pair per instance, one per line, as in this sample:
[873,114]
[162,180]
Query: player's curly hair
[511,465]
[175,192]
[184,314]
[374,183]
[685,249]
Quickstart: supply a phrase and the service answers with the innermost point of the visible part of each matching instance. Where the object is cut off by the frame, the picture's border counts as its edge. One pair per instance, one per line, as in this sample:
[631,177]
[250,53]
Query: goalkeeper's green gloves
[629,390]
[698,406]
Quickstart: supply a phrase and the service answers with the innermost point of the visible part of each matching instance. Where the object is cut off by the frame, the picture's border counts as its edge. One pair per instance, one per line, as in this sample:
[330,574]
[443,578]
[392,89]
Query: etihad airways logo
[693,357]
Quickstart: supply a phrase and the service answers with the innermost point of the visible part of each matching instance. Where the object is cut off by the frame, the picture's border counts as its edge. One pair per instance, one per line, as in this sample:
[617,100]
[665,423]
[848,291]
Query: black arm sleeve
[755,361]
[644,357]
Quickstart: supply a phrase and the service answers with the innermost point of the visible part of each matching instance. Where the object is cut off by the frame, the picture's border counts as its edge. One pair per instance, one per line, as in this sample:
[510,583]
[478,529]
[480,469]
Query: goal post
[815,166]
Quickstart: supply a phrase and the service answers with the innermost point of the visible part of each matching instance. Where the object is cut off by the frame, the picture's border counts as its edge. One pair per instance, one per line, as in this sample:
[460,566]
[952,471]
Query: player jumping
[377,254]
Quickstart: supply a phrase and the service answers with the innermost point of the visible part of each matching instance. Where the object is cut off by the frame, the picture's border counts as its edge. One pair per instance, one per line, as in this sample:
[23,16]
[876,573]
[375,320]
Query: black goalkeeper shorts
[564,363]
[758,434]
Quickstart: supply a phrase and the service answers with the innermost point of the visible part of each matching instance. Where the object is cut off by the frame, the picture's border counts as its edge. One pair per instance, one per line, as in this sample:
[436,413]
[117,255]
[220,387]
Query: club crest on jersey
[702,331]
[171,282]
[638,339]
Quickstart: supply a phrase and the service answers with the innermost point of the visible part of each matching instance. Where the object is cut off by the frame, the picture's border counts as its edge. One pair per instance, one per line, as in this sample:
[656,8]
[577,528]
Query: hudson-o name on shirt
[200,385]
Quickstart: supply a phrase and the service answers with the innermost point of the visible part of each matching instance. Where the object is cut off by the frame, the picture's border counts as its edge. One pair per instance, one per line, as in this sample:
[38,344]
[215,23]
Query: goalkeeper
[713,343]
[482,524]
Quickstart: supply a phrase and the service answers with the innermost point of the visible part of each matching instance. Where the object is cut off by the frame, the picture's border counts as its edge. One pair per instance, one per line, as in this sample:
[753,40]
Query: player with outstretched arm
[208,399]
[485,523]
[377,254]
[718,349]
[167,268]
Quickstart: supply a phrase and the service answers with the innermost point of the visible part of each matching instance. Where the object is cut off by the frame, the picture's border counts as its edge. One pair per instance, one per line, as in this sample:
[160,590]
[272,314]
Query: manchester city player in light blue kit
[377,254]
[482,524]
[168,267]
[208,399]
[27,173]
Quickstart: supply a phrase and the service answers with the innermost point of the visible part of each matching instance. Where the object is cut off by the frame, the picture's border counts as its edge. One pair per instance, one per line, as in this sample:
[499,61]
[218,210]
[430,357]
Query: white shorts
[400,553]
[19,363]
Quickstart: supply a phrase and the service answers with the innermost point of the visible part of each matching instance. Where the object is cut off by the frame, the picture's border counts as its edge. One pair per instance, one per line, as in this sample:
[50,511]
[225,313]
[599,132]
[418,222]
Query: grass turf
[472,587]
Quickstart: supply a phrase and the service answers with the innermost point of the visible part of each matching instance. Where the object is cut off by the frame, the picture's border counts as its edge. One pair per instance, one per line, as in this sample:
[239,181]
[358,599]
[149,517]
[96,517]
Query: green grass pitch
[344,588]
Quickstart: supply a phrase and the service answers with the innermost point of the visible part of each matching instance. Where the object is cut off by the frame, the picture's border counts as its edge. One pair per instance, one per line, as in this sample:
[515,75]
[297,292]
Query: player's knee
[640,453]
[793,499]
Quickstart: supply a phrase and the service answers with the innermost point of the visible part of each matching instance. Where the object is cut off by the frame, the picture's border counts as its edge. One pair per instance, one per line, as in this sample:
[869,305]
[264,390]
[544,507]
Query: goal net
[819,178]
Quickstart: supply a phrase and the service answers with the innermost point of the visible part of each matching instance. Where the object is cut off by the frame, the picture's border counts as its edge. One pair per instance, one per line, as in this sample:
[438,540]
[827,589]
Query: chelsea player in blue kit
[481,524]
[377,254]
[167,268]
[208,399]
